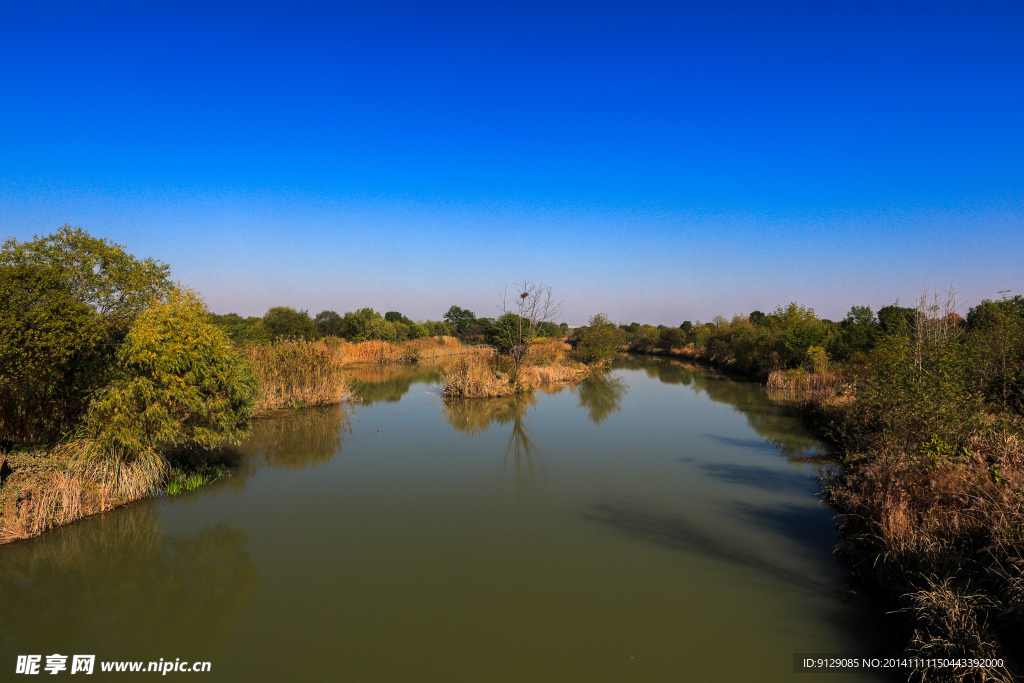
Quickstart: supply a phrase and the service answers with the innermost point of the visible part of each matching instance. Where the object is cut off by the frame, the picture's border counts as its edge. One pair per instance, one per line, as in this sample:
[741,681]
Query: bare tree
[522,312]
[936,321]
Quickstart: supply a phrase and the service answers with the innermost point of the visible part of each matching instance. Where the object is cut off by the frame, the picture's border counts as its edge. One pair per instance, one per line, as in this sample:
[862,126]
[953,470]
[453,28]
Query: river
[658,524]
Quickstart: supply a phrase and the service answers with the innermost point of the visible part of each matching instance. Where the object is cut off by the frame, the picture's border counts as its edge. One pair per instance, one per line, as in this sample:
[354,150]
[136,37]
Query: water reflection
[601,395]
[118,585]
[298,439]
[772,421]
[475,416]
[389,383]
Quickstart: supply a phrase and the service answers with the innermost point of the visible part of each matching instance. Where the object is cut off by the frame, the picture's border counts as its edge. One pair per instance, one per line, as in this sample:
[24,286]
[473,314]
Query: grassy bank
[46,486]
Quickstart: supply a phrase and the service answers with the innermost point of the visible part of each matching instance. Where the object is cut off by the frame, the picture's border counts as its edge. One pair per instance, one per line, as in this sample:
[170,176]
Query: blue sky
[655,161]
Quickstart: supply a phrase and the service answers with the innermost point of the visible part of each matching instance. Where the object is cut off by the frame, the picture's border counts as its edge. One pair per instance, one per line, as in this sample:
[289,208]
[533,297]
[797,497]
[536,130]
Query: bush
[180,384]
[599,342]
[66,302]
[288,323]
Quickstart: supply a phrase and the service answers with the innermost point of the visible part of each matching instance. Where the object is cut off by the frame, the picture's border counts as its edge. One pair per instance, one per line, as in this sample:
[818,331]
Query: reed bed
[823,388]
[297,373]
[567,371]
[442,347]
[489,377]
[45,492]
[379,352]
[475,377]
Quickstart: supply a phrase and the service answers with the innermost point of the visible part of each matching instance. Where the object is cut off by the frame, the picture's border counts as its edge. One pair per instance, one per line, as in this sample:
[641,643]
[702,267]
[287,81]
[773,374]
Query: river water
[657,524]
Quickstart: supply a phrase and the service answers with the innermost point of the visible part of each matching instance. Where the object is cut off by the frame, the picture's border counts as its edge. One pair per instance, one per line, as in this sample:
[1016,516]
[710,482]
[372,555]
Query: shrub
[599,342]
[286,322]
[180,384]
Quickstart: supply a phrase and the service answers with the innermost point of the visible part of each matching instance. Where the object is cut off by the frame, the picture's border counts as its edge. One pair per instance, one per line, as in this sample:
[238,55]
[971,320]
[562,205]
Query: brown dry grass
[442,347]
[379,352]
[302,373]
[39,498]
[488,377]
[475,377]
[945,531]
[820,389]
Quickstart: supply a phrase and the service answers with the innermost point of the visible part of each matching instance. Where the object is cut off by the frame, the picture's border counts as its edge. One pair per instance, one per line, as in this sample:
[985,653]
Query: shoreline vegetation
[117,384]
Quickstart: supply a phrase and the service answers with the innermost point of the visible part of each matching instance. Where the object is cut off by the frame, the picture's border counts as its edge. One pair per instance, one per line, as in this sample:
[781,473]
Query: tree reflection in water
[118,586]
[476,415]
[772,421]
[294,440]
[601,395]
[389,383]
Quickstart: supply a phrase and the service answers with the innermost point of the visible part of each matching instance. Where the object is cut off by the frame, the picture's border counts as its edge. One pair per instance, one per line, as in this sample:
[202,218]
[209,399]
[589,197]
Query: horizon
[655,163]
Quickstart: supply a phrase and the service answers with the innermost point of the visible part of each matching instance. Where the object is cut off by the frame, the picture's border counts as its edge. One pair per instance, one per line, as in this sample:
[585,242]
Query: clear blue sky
[655,161]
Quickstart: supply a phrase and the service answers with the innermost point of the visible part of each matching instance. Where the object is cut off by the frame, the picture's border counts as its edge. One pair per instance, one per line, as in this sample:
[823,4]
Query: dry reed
[807,388]
[475,377]
[379,352]
[302,373]
[946,532]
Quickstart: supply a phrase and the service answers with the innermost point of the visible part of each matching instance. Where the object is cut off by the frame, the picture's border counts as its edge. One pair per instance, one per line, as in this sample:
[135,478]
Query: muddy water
[657,524]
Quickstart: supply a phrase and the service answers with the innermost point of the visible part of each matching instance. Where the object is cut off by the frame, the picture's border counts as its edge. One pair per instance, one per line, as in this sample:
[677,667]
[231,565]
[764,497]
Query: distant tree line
[367,324]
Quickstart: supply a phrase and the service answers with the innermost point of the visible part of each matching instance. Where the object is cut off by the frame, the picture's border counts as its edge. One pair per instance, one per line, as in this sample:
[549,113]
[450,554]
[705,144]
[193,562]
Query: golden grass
[302,373]
[808,388]
[475,377]
[946,532]
[489,377]
[56,497]
[441,347]
[379,352]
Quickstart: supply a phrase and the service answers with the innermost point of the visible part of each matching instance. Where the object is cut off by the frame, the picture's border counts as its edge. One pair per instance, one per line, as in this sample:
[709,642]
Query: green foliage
[857,333]
[460,319]
[671,338]
[396,317]
[599,342]
[995,336]
[97,272]
[241,330]
[329,324]
[51,353]
[180,383]
[918,393]
[896,319]
[66,302]
[288,323]
[417,331]
[379,328]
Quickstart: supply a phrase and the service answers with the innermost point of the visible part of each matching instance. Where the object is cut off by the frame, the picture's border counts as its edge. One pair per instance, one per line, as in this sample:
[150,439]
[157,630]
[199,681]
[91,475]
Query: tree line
[367,324]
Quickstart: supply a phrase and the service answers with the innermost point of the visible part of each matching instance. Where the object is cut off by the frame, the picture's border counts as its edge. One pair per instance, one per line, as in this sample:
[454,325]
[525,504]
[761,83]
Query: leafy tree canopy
[96,271]
[285,321]
[180,383]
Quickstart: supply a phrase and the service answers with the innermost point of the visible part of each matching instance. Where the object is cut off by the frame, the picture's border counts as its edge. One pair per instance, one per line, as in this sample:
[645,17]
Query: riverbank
[45,487]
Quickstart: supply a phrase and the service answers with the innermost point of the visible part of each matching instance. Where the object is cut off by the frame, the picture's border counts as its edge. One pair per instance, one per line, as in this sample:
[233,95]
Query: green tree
[67,302]
[285,321]
[50,353]
[329,324]
[857,333]
[599,342]
[180,384]
[97,272]
[379,328]
[396,317]
[460,319]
